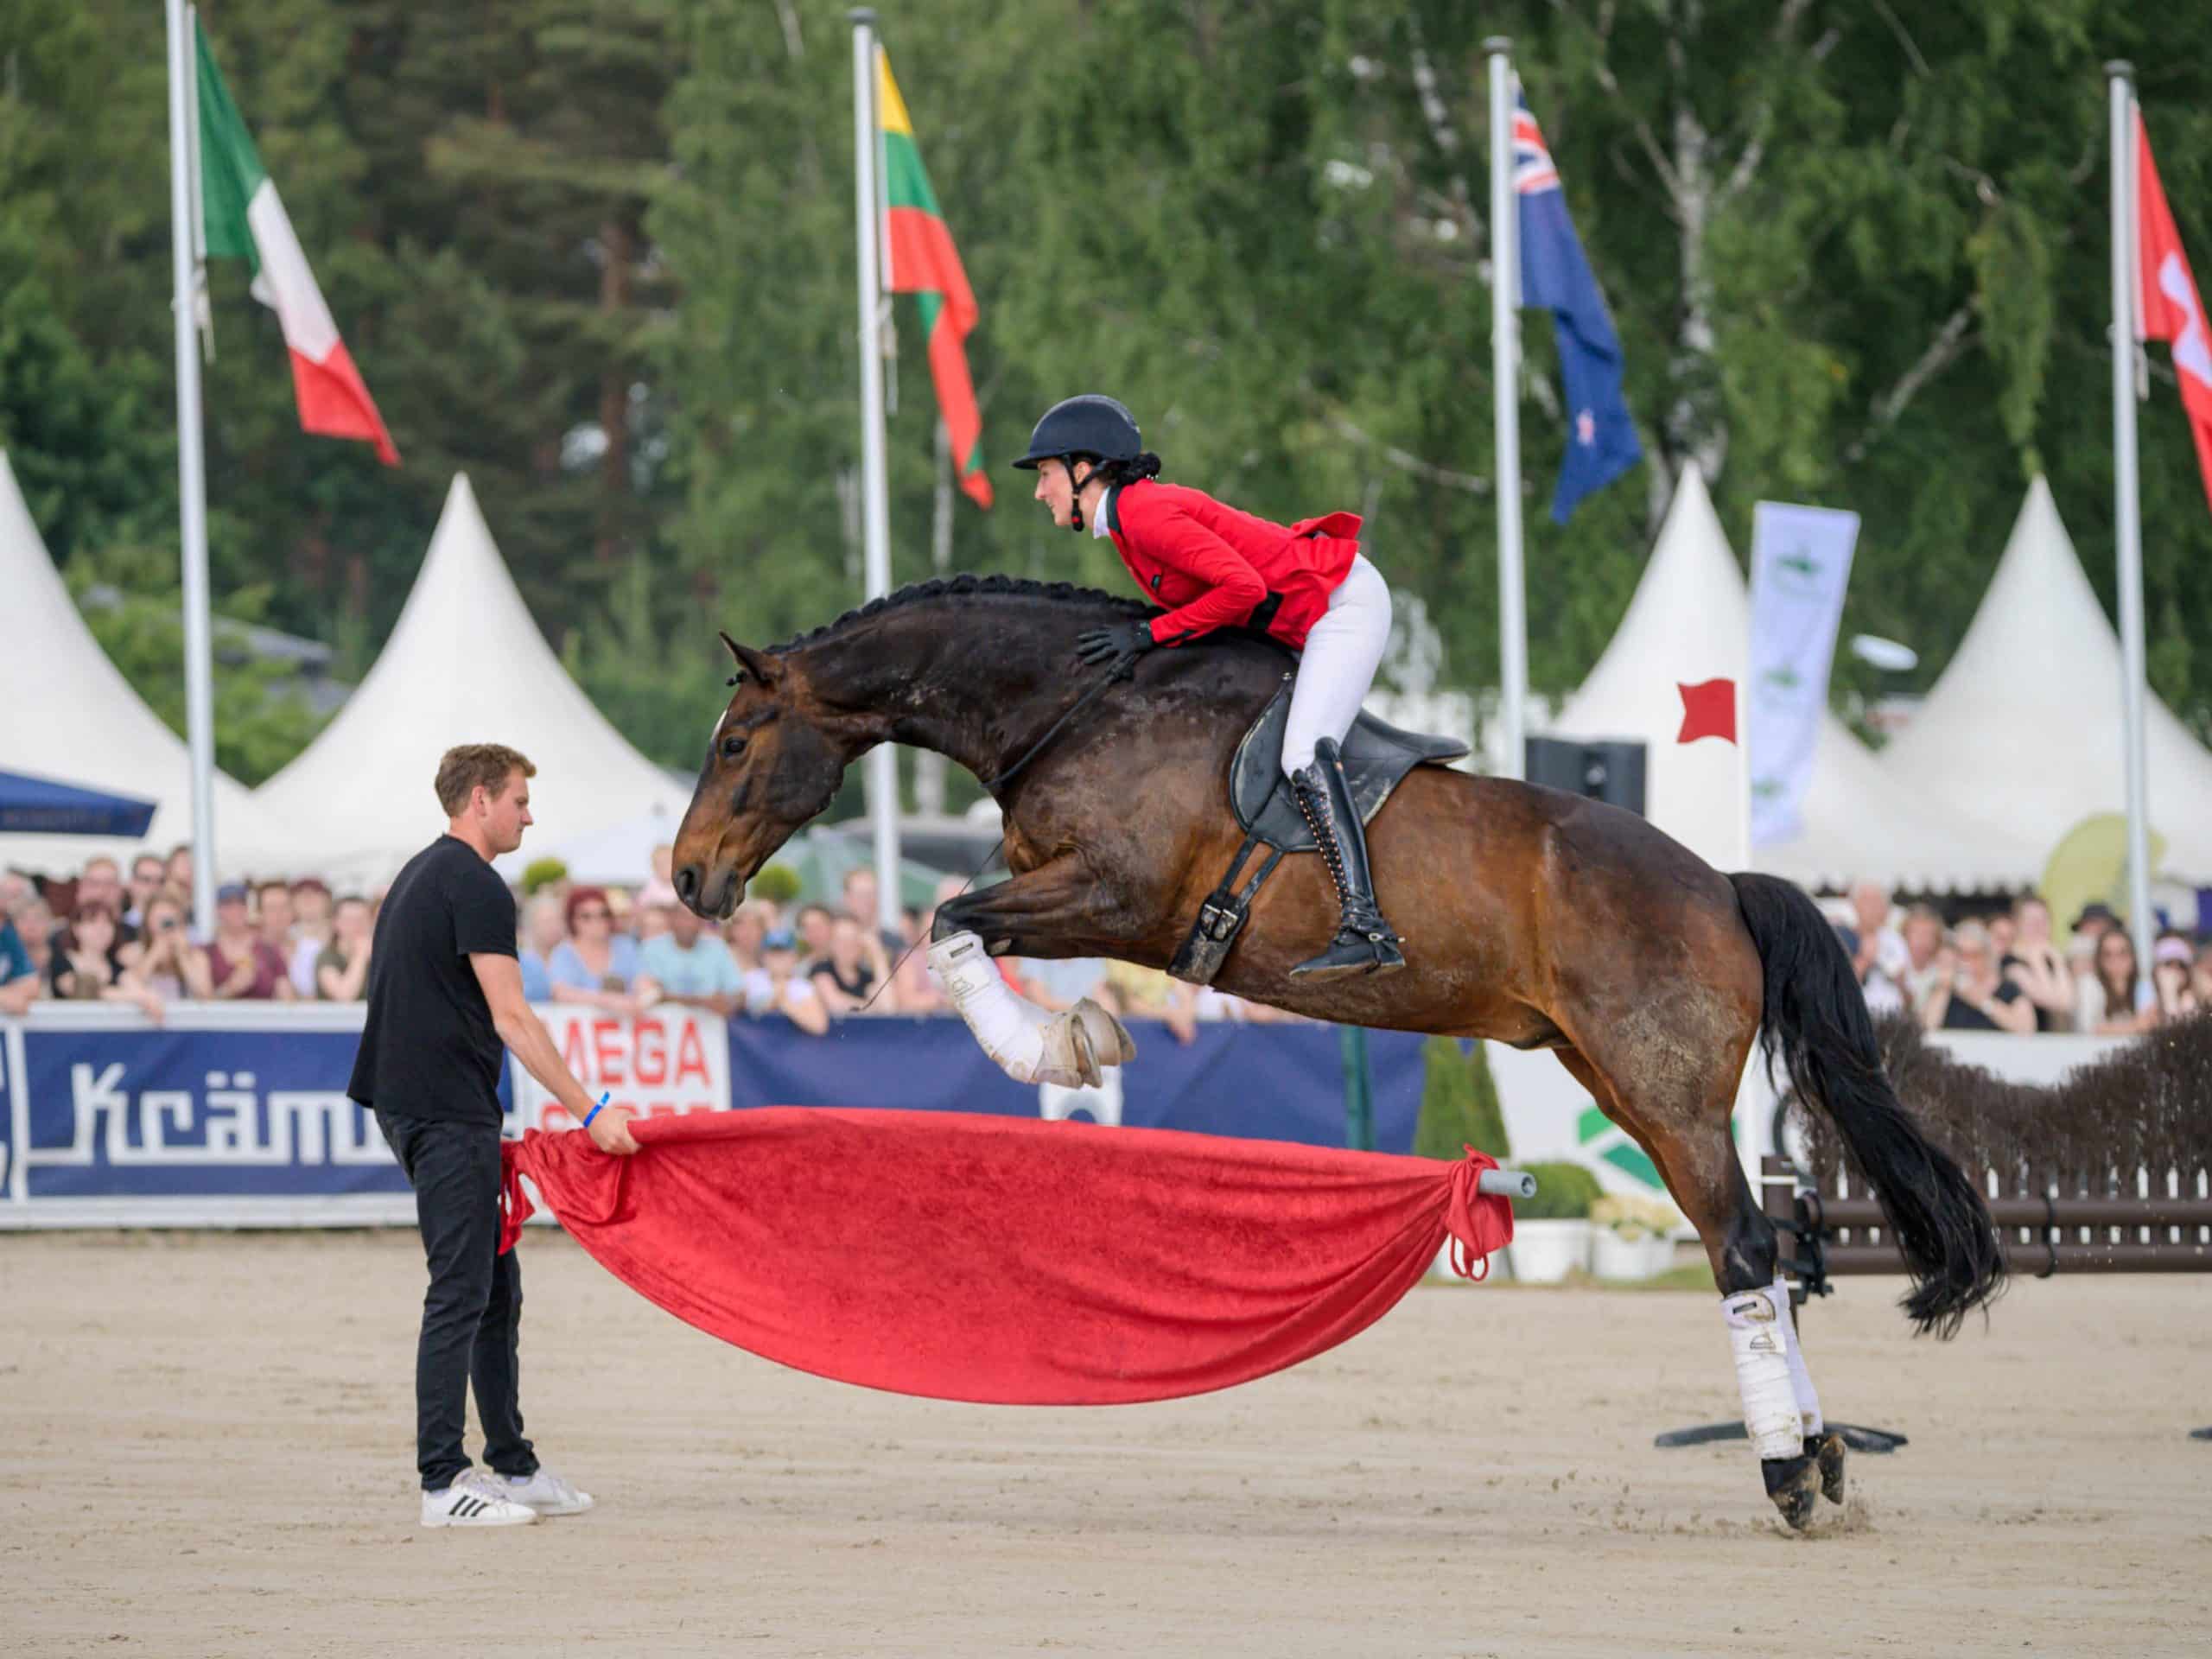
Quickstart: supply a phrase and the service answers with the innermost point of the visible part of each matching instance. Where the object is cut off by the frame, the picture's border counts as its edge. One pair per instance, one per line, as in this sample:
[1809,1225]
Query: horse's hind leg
[1686,1131]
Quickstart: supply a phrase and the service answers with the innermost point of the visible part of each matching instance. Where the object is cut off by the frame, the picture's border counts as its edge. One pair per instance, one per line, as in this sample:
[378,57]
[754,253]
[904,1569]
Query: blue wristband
[595,1111]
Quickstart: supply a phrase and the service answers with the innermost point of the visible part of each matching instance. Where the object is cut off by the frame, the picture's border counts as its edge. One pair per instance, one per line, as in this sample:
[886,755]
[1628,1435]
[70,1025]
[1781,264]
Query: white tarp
[2023,727]
[464,664]
[72,715]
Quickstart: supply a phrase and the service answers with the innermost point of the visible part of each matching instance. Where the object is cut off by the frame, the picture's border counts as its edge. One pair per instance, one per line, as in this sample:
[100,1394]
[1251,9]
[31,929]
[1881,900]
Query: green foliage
[1459,1103]
[778,883]
[1564,1191]
[601,258]
[542,873]
[260,723]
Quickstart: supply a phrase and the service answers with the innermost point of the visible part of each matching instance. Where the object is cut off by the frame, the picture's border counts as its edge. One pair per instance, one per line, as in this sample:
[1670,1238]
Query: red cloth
[1006,1261]
[1213,565]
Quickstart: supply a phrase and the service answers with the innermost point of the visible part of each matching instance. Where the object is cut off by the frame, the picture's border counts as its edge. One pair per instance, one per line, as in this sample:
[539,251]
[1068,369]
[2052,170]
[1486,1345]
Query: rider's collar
[1101,522]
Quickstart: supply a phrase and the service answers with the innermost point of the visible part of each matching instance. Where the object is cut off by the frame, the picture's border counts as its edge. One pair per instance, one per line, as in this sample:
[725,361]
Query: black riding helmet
[1088,424]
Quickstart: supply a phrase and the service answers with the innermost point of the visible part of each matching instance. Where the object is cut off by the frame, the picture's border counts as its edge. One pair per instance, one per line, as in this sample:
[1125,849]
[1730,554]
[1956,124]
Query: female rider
[1307,585]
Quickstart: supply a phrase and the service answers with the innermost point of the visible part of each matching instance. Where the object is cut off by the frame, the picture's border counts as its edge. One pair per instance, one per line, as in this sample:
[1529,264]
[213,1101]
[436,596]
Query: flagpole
[191,475]
[2126,504]
[875,512]
[1505,391]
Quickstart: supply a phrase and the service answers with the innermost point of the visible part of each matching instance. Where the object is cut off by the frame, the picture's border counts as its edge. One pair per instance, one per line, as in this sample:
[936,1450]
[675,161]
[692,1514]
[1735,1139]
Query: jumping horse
[1529,916]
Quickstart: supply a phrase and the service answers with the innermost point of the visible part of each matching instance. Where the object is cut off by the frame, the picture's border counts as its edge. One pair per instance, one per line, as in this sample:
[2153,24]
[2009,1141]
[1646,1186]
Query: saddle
[1377,757]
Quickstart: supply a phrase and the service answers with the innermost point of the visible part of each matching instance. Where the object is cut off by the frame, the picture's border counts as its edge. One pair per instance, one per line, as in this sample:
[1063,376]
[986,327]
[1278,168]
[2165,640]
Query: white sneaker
[475,1499]
[545,1493]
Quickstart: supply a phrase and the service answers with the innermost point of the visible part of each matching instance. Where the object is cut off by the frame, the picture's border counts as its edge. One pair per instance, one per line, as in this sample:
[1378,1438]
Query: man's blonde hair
[468,764]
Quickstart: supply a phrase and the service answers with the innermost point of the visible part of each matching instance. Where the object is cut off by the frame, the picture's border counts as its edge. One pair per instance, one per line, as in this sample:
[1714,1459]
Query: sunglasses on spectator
[594,915]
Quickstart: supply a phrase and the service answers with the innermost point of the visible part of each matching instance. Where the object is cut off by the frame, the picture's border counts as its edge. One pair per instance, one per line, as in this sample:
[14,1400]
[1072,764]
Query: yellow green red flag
[920,259]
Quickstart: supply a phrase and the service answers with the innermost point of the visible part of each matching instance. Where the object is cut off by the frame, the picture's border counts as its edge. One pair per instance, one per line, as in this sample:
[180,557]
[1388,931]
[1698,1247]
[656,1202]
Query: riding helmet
[1088,424]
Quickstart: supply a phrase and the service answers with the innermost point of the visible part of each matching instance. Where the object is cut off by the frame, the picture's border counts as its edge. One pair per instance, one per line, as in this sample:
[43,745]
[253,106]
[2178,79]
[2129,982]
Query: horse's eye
[733,746]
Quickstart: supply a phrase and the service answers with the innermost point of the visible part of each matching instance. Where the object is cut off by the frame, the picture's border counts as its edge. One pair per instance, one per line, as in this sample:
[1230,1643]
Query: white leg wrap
[1029,1045]
[1758,1332]
[1801,1380]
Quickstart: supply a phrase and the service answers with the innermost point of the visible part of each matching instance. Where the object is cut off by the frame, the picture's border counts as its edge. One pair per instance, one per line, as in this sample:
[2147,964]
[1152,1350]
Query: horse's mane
[967,586]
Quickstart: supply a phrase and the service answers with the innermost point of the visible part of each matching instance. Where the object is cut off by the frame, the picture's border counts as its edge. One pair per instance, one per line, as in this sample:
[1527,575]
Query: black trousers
[472,1314]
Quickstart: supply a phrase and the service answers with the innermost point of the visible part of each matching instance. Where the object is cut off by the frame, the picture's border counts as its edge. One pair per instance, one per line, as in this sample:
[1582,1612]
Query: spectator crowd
[2006,971]
[104,937]
[100,937]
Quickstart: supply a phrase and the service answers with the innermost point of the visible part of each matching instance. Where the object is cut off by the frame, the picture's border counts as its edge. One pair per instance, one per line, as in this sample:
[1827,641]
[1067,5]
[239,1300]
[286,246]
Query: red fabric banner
[1006,1261]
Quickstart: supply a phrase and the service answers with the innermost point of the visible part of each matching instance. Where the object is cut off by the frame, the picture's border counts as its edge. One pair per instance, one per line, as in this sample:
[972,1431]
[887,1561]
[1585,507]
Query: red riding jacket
[1215,567]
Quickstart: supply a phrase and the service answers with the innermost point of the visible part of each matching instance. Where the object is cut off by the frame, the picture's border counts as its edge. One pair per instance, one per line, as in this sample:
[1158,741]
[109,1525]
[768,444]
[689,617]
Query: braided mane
[968,587]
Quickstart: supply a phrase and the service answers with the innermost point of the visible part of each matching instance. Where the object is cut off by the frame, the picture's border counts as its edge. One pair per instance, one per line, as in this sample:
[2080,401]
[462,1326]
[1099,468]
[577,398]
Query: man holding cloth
[444,998]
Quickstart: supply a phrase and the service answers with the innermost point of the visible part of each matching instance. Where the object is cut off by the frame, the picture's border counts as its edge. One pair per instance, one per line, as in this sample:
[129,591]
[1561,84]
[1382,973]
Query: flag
[1601,439]
[2167,306]
[1800,567]
[1708,710]
[243,218]
[919,258]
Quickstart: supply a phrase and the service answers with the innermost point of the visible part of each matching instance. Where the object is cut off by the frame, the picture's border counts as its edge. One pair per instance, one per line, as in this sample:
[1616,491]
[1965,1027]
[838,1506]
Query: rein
[992,785]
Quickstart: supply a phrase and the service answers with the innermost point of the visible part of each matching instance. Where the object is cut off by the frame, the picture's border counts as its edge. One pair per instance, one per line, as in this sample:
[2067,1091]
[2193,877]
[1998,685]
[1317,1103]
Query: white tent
[466,663]
[2023,728]
[1690,621]
[72,715]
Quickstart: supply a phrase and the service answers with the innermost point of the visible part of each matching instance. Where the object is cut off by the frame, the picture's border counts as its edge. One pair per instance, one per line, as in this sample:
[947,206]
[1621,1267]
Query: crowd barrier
[225,1115]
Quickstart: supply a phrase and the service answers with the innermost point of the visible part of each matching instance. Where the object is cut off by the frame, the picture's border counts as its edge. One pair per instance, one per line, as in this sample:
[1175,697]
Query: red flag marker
[1708,710]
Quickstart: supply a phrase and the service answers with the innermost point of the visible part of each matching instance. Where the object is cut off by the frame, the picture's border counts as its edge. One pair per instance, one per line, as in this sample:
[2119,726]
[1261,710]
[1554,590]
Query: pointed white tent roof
[464,663]
[2024,726]
[72,715]
[1689,621]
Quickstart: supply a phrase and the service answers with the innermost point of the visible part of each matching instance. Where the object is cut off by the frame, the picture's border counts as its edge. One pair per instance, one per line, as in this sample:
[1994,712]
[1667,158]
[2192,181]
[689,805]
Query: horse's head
[775,762]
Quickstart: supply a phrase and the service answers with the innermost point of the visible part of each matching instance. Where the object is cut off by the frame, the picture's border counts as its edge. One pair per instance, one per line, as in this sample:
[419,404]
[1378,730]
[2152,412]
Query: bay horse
[1529,916]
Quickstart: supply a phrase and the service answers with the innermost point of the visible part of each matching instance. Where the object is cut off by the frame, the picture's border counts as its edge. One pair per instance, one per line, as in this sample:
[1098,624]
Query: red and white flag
[2166,303]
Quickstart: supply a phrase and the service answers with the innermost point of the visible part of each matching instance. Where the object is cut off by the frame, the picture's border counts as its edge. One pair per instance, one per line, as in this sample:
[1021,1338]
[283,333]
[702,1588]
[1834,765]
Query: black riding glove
[1119,646]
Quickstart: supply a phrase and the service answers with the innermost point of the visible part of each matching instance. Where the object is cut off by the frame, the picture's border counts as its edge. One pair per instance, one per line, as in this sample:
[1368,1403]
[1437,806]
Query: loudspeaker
[1612,772]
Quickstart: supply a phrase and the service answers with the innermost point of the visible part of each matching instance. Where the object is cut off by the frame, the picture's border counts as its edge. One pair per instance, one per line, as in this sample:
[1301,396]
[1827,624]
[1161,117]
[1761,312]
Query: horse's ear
[758,663]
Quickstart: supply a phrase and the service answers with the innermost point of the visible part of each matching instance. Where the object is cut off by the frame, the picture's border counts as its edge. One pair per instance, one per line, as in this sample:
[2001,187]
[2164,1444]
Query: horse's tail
[1815,1022]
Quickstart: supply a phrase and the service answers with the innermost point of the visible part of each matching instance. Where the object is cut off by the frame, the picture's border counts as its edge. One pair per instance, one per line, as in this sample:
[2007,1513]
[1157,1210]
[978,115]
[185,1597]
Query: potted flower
[1632,1236]
[1551,1231]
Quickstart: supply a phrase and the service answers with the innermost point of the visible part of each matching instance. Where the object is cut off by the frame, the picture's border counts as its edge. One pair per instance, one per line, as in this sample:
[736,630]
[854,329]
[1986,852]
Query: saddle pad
[1376,755]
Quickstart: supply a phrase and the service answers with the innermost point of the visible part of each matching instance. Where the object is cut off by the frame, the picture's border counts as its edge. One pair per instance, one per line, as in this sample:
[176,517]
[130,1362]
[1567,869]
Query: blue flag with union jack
[1600,438]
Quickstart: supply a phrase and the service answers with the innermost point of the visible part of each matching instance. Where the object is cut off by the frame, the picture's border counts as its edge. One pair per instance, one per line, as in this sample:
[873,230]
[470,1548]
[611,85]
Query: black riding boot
[1364,942]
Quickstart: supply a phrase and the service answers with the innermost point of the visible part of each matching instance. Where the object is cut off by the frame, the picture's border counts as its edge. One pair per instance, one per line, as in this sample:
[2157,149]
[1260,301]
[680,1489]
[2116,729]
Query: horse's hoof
[1794,1484]
[1826,1449]
[1110,1038]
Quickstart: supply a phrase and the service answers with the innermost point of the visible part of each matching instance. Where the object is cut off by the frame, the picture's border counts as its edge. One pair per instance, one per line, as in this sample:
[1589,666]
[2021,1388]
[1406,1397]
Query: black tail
[1815,1023]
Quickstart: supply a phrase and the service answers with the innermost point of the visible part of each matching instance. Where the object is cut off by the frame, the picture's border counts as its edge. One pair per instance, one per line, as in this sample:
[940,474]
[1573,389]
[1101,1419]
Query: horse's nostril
[687,883]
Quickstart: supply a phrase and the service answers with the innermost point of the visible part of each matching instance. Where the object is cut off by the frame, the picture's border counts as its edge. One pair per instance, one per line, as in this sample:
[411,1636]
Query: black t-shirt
[428,1047]
[862,982]
[1958,1015]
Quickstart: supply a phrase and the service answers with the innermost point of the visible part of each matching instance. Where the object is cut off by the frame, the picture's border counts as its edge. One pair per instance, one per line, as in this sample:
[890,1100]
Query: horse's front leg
[1041,912]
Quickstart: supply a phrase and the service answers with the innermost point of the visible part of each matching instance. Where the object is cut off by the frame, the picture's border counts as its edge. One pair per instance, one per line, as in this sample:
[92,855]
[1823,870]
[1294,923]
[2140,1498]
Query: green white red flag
[242,218]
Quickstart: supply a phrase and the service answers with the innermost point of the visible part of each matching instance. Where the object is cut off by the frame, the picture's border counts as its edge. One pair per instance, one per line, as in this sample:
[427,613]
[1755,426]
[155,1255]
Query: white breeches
[1341,656]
